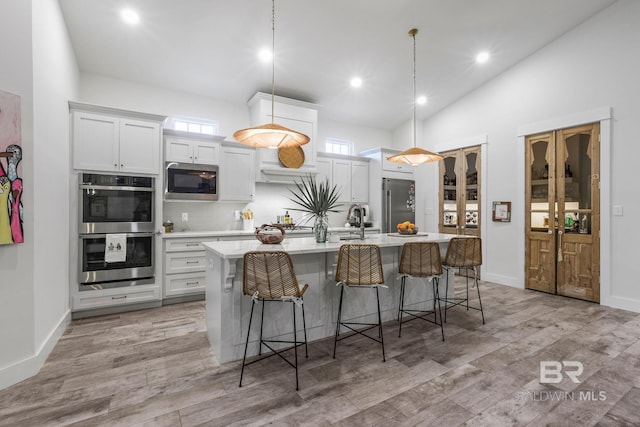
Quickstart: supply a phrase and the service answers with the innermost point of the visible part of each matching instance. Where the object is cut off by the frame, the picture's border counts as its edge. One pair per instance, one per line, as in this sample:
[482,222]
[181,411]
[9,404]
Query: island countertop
[236,249]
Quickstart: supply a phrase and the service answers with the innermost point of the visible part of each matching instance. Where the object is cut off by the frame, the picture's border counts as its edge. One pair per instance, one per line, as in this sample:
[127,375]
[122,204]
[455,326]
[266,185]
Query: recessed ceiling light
[482,57]
[130,16]
[356,82]
[421,100]
[265,55]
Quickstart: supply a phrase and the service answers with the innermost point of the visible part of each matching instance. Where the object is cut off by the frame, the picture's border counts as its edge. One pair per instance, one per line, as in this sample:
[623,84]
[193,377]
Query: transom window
[338,146]
[187,124]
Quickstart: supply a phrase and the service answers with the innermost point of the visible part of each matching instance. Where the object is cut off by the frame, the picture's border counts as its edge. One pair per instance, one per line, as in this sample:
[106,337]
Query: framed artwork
[501,211]
[11,215]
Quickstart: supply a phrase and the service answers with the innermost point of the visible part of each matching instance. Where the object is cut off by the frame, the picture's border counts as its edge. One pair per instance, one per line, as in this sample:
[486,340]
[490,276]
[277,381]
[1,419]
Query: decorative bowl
[270,234]
[408,231]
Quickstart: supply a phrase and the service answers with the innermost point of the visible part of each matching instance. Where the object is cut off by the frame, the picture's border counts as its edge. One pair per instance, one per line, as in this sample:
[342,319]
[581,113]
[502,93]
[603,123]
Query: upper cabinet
[386,168]
[237,171]
[297,115]
[113,140]
[349,173]
[184,147]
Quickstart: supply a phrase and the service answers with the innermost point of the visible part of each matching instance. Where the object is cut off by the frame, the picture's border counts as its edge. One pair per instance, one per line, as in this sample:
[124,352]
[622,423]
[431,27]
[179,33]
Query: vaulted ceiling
[210,47]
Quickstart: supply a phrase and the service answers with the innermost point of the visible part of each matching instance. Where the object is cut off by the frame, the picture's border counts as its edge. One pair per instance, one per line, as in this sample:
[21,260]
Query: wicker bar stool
[359,267]
[421,259]
[269,277]
[463,252]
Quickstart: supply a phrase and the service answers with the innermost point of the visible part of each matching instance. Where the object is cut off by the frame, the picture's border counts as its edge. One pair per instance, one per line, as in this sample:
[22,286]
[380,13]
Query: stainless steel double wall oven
[116,204]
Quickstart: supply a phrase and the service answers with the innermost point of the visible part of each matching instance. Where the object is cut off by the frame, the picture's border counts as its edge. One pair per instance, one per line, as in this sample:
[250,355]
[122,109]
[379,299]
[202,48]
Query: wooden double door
[562,223]
[460,197]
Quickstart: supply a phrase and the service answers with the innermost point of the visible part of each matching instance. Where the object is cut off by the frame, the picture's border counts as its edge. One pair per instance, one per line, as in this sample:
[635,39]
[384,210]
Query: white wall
[17,261]
[591,67]
[363,138]
[37,65]
[55,81]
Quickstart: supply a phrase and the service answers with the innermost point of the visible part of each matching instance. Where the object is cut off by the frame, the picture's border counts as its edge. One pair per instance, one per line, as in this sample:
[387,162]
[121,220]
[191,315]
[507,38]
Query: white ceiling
[209,47]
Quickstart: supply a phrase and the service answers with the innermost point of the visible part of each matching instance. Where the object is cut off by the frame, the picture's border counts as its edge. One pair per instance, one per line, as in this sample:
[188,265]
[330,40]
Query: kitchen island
[314,263]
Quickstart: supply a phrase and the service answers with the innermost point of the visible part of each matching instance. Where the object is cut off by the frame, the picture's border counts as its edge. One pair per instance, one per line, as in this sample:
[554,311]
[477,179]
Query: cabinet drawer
[184,284]
[179,262]
[112,297]
[182,245]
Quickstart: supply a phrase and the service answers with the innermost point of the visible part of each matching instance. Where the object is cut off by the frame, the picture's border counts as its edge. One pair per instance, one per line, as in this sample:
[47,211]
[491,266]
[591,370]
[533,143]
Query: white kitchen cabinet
[100,299]
[184,266]
[297,115]
[191,149]
[237,174]
[386,168]
[349,173]
[111,140]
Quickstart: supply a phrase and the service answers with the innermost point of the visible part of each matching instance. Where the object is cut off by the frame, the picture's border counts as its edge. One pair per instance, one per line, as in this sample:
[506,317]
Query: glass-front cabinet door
[460,192]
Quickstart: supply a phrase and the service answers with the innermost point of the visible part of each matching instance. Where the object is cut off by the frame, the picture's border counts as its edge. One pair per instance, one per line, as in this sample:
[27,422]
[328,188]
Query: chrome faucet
[360,218]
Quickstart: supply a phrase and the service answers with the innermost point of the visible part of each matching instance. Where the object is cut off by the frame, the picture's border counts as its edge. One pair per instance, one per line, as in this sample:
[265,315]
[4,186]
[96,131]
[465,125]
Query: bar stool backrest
[270,274]
[359,264]
[420,259]
[464,252]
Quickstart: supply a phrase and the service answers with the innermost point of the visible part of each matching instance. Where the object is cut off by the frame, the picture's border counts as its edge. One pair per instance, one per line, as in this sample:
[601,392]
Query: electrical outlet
[185,216]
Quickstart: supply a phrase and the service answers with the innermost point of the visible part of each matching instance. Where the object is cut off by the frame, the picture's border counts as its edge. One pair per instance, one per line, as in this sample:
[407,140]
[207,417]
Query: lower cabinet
[184,267]
[88,300]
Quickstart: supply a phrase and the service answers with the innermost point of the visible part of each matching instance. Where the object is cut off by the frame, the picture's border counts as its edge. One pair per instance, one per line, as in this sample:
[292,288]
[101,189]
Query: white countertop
[303,245]
[228,233]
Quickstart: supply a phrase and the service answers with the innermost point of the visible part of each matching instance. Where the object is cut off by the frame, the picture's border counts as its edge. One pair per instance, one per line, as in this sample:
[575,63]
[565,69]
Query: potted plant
[316,200]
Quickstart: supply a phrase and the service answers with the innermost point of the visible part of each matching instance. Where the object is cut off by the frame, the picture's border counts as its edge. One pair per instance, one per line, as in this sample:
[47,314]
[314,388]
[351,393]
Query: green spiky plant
[315,199]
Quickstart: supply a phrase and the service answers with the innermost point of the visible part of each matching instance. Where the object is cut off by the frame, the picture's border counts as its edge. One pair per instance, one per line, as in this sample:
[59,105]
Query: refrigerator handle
[387,213]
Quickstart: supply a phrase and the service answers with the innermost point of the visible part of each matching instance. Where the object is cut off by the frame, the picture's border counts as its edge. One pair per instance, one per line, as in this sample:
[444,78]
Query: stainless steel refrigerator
[398,203]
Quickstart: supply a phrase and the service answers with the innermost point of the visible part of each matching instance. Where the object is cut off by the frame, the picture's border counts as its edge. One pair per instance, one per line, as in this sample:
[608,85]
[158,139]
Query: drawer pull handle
[192,283]
[193,244]
[193,262]
[121,297]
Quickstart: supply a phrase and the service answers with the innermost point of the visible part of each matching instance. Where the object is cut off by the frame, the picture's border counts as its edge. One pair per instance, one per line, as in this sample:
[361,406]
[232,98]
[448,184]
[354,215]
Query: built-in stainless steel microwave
[186,181]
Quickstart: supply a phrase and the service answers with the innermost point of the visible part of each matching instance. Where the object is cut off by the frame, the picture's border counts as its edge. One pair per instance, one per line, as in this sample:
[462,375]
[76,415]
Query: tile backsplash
[270,201]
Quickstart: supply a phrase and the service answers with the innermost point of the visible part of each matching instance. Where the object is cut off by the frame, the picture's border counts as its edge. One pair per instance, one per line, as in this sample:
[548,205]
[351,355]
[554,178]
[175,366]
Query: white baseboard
[29,366]
[628,304]
[514,282]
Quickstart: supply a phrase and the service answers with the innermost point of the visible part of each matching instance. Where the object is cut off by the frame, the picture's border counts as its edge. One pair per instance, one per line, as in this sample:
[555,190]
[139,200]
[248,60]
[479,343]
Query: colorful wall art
[11,230]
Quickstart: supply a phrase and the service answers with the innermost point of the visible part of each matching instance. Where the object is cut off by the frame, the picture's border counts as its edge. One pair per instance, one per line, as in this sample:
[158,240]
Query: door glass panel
[450,194]
[577,184]
[471,176]
[578,171]
[539,173]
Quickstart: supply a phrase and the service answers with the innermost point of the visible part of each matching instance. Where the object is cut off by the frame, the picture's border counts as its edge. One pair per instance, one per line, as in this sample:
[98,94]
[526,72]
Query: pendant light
[414,155]
[271,135]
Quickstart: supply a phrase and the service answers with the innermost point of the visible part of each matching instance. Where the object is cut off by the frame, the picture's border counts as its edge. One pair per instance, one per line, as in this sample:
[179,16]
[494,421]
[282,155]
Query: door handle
[560,257]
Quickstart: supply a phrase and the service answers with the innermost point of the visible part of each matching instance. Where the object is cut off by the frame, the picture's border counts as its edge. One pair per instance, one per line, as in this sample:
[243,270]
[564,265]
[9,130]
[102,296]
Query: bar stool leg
[380,325]
[261,323]
[401,305]
[304,325]
[295,341]
[446,295]
[335,341]
[436,293]
[475,274]
[466,276]
[246,344]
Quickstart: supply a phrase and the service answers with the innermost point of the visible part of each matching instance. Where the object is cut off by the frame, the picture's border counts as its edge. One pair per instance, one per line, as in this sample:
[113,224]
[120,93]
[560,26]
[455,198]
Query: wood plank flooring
[154,368]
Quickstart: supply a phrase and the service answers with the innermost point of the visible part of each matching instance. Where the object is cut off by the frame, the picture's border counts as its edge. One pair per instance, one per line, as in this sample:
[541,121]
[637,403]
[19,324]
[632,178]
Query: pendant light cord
[413,34]
[273,57]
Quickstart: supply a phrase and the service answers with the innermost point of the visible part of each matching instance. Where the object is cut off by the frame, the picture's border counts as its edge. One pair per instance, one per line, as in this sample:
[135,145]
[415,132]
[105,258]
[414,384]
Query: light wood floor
[154,368]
